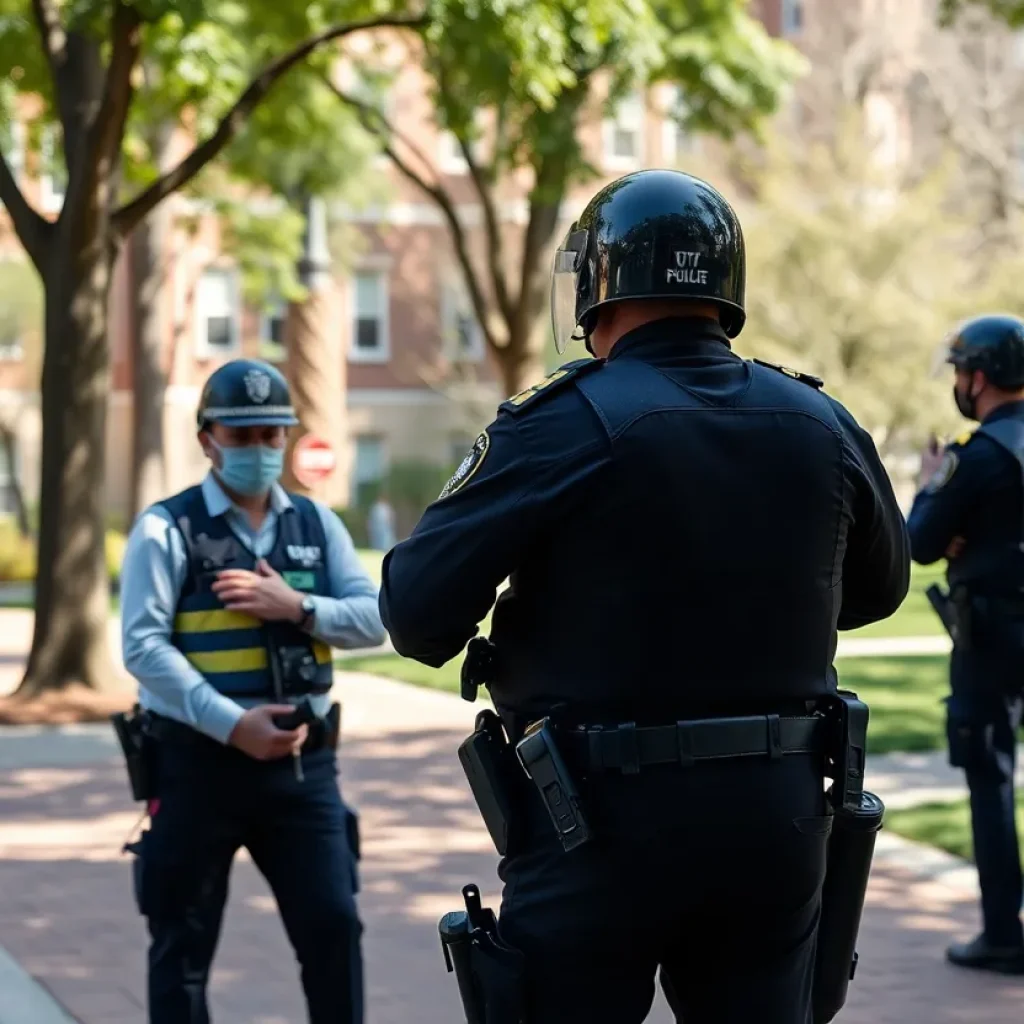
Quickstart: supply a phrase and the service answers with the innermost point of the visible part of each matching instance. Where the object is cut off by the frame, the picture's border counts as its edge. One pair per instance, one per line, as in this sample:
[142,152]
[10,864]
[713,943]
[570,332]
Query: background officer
[684,531]
[971,510]
[233,593]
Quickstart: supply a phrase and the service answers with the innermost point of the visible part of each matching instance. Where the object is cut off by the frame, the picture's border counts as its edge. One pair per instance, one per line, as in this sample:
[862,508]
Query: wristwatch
[308,612]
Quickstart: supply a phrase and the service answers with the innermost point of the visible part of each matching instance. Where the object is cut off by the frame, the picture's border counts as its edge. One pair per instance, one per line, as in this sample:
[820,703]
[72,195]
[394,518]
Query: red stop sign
[313,460]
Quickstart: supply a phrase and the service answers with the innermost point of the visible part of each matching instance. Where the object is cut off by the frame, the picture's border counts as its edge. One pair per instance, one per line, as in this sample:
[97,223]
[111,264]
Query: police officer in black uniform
[971,511]
[684,532]
[233,594]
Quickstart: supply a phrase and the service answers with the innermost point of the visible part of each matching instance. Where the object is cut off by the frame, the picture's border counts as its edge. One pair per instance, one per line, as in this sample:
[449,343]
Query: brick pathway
[66,912]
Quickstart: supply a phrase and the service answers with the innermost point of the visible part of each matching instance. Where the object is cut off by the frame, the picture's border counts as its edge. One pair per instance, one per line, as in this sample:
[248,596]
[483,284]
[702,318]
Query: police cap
[246,393]
[655,234]
[994,344]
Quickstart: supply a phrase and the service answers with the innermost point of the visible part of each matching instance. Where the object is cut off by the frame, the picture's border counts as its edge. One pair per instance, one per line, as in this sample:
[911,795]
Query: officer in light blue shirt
[233,593]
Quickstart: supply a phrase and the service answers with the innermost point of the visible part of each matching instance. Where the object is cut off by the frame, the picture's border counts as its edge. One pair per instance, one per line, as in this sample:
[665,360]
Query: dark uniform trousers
[982,725]
[212,801]
[712,873]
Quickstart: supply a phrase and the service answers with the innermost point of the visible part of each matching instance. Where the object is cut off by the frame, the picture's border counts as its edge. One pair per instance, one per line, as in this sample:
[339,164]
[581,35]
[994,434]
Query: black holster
[489,762]
[856,823]
[137,746]
[490,974]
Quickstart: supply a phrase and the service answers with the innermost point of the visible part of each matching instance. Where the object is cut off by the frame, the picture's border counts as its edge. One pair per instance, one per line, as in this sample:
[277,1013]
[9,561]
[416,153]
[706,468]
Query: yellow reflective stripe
[213,620]
[247,659]
[322,652]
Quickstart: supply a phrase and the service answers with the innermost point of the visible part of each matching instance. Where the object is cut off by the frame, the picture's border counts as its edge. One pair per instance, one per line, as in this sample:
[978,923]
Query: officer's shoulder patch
[944,473]
[468,466]
[805,378]
[550,384]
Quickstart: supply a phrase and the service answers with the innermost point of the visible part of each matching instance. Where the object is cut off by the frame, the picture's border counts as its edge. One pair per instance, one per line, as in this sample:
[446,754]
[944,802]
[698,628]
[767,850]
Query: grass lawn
[915,616]
[904,694]
[947,826]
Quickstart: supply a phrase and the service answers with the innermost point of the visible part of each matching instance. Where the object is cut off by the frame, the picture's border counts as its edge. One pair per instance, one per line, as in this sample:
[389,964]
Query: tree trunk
[69,642]
[315,366]
[522,360]
[150,256]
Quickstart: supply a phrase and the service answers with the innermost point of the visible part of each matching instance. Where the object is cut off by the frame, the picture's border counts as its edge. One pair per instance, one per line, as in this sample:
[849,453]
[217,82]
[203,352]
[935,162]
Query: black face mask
[965,403]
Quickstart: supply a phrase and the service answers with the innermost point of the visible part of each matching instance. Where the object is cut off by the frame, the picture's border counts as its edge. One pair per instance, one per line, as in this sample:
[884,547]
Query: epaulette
[805,378]
[963,438]
[550,384]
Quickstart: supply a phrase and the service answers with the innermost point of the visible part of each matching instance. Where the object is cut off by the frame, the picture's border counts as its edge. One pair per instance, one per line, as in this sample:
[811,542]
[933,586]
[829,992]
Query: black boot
[982,955]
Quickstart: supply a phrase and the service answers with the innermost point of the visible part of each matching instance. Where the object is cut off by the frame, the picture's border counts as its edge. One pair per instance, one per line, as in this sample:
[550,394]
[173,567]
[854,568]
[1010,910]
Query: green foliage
[857,276]
[1010,11]
[18,554]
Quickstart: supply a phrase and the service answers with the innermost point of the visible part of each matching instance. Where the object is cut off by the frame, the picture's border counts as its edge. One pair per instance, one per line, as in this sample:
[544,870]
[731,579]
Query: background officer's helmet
[246,393]
[994,344]
[649,235]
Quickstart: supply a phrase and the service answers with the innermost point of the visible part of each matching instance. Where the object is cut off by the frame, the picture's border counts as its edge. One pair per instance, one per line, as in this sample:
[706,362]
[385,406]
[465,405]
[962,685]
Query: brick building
[399,307]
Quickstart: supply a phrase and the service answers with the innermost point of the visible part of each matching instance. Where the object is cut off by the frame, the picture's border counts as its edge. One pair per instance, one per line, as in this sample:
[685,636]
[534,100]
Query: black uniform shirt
[975,494]
[684,532]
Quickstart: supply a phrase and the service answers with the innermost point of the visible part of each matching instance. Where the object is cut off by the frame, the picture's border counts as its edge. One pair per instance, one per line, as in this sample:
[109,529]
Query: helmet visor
[564,279]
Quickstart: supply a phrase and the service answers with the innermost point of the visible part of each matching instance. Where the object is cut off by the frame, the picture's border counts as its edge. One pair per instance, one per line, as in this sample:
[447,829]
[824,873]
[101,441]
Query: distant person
[970,510]
[380,524]
[233,594]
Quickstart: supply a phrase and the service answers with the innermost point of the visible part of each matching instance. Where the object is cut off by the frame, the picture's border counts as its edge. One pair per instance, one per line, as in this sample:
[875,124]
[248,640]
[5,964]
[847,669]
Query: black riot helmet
[246,393]
[650,235]
[994,344]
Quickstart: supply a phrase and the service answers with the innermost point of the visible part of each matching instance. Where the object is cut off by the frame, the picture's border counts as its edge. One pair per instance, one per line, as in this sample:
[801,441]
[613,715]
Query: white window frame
[676,143]
[276,309]
[203,348]
[631,106]
[382,352]
[50,198]
[355,482]
[792,17]
[455,301]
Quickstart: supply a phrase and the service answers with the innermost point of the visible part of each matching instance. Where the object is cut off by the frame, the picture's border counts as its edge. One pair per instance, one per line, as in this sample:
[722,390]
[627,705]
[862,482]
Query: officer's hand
[931,459]
[256,735]
[262,593]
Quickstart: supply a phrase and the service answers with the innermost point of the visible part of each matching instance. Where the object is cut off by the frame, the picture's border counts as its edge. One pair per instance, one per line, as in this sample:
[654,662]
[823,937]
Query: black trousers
[303,839]
[982,723]
[712,874]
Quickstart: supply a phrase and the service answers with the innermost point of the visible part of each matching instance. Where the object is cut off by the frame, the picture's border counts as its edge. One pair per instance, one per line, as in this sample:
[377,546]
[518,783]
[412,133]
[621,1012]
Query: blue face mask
[250,470]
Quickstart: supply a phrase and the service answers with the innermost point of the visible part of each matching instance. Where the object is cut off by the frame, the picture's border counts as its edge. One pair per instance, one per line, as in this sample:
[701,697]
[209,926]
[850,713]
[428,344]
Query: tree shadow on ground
[66,910]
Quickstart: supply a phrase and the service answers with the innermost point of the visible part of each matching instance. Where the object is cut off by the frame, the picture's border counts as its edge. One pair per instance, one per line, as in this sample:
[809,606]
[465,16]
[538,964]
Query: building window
[272,331]
[462,337]
[623,133]
[369,468]
[217,312]
[792,17]
[677,142]
[369,317]
[53,176]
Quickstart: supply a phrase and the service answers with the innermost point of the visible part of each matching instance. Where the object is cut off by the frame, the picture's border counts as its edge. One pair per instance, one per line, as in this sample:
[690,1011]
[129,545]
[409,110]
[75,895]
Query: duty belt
[628,747]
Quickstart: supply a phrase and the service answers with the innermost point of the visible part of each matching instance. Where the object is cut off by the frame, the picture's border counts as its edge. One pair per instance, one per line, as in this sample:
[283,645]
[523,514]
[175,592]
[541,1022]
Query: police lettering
[686,270]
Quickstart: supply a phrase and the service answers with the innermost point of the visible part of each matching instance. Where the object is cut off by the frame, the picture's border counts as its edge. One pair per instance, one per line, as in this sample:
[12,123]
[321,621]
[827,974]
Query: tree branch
[54,40]
[32,229]
[235,119]
[495,254]
[92,180]
[377,124]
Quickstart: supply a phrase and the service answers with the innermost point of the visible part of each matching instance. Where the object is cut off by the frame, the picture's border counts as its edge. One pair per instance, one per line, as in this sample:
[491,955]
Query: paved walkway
[66,914]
